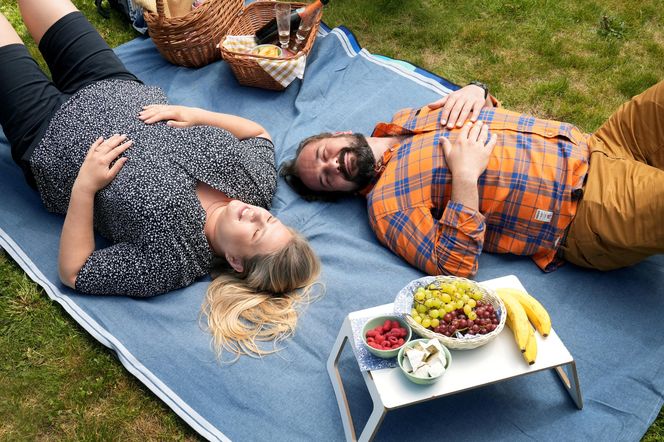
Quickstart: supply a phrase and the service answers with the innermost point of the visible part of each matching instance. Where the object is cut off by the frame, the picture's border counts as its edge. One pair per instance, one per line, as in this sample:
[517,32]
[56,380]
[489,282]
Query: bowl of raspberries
[384,336]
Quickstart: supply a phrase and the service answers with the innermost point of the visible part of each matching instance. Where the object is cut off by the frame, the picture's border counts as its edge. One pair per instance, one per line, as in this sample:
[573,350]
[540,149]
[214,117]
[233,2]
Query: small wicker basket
[405,297]
[191,40]
[245,66]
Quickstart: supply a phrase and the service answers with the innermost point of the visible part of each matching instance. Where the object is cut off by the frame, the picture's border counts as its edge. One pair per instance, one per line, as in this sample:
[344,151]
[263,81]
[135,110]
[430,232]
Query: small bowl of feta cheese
[424,361]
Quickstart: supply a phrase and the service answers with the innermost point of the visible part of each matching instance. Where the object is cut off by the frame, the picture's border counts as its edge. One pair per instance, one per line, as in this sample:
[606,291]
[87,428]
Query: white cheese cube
[435,343]
[435,367]
[406,365]
[422,372]
[416,358]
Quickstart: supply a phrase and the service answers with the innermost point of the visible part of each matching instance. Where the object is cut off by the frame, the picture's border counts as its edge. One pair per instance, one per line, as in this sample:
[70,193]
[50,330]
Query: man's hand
[469,156]
[96,171]
[176,116]
[459,104]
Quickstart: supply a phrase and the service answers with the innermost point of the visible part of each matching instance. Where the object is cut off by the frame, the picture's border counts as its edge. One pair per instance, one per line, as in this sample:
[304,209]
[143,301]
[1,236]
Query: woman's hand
[98,169]
[459,104]
[176,116]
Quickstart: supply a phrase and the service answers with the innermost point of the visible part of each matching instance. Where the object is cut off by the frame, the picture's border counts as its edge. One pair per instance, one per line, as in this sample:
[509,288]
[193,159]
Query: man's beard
[364,161]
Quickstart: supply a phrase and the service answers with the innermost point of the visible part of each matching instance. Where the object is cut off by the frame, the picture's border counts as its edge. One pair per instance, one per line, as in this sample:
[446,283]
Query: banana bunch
[522,310]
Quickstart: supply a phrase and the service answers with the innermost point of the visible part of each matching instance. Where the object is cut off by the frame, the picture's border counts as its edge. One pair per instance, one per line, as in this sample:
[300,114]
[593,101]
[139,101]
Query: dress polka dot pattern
[150,212]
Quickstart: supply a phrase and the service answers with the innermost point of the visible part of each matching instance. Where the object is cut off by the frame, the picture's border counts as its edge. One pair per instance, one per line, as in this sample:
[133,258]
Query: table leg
[569,378]
[379,411]
[337,383]
[377,415]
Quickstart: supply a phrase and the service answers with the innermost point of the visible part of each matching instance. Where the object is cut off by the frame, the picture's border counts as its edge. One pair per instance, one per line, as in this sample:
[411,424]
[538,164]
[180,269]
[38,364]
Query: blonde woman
[169,187]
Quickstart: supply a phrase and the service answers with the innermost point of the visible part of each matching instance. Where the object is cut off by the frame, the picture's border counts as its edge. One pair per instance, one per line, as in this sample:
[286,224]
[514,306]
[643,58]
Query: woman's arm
[77,240]
[183,116]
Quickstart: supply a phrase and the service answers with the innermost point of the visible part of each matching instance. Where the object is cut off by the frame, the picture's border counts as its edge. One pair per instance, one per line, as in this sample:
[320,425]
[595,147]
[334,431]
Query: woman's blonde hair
[260,303]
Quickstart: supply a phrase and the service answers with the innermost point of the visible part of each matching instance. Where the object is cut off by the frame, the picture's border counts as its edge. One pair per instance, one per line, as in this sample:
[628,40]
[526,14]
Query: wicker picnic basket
[468,342]
[191,40]
[245,66]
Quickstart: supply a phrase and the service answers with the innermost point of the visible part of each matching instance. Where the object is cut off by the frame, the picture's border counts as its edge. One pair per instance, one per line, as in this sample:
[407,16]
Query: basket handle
[160,9]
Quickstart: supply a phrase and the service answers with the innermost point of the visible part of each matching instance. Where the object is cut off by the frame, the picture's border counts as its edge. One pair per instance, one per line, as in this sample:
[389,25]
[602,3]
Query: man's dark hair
[289,172]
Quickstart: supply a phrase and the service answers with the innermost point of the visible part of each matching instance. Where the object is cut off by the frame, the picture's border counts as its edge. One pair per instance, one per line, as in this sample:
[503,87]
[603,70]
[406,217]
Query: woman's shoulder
[242,169]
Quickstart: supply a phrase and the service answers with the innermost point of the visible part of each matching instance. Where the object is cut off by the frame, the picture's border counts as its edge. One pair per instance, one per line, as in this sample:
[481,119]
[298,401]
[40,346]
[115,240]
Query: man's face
[336,164]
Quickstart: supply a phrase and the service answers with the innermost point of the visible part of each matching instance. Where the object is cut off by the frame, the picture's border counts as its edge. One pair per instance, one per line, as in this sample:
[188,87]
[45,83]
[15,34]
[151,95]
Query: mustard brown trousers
[620,219]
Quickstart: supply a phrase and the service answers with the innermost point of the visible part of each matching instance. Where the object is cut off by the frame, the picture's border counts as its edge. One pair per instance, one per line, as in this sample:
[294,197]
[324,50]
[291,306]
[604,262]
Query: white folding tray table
[496,361]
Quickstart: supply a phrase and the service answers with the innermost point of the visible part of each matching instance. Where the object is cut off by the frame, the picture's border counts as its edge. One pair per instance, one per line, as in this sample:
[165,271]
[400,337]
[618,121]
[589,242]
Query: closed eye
[324,180]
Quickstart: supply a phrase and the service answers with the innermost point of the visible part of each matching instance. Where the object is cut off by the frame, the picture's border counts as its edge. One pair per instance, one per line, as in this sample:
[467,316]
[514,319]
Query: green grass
[573,60]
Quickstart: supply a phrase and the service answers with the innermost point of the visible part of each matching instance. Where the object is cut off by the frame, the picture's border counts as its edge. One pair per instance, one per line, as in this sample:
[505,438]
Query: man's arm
[453,244]
[449,246]
[462,104]
[183,116]
[467,160]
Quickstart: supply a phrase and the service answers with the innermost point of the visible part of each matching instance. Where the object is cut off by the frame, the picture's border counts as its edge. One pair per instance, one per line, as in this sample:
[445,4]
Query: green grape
[421,308]
[472,316]
[413,312]
[472,303]
[465,298]
[467,309]
[428,303]
[417,319]
[458,303]
[476,296]
[419,296]
[446,298]
[449,307]
[427,294]
[435,323]
[434,313]
[426,322]
[437,303]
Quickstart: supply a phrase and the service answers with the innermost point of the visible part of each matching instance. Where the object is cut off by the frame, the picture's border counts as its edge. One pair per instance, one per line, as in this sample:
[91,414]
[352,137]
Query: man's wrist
[484,87]
[463,177]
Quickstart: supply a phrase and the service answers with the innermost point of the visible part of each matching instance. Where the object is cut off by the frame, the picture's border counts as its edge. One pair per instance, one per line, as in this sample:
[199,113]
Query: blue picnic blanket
[611,322]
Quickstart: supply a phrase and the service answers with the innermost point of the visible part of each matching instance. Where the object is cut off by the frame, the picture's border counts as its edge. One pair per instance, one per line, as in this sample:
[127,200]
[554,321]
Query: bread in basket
[245,66]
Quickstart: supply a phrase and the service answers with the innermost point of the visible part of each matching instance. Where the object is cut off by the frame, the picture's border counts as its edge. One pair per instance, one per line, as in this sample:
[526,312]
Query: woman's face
[243,230]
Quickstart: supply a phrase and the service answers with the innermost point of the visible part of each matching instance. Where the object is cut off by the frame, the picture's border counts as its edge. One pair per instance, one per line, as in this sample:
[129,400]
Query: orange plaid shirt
[525,195]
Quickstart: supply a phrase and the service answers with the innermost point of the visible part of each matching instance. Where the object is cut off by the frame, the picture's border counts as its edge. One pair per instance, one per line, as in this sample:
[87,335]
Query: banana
[517,320]
[531,347]
[535,311]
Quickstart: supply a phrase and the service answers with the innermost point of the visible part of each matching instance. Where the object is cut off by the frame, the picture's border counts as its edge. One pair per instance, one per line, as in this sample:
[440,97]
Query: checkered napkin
[283,71]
